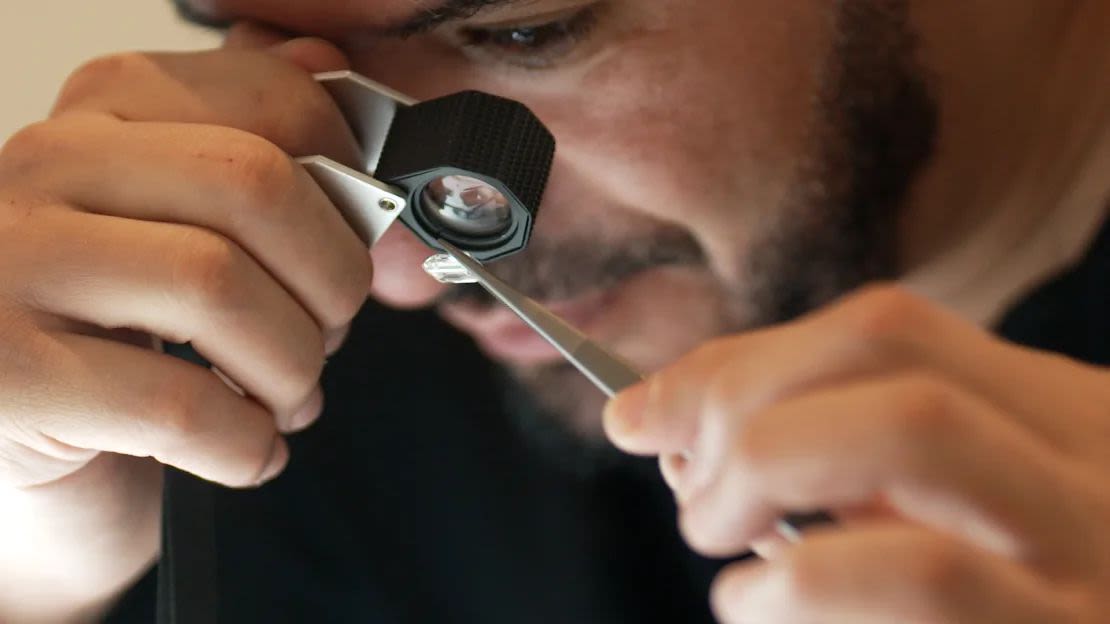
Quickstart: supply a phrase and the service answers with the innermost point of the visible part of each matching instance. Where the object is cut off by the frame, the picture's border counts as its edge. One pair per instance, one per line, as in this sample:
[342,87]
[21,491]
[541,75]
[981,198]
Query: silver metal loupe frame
[369,205]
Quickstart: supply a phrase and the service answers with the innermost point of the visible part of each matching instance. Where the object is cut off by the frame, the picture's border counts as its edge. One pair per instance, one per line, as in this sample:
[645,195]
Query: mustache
[561,270]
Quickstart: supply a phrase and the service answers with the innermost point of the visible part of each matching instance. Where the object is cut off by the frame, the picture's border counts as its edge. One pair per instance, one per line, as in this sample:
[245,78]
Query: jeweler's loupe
[468,168]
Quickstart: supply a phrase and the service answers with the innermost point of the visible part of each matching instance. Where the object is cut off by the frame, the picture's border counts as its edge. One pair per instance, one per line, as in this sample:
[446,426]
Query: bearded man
[861,247]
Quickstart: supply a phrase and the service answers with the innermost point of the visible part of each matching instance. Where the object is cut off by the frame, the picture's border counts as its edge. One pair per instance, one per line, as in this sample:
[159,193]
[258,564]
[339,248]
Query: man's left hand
[970,477]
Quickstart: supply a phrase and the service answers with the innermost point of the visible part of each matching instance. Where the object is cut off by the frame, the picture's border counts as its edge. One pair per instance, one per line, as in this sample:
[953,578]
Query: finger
[733,377]
[661,416]
[260,92]
[685,412]
[334,339]
[933,453]
[729,379]
[311,54]
[888,325]
[178,282]
[775,541]
[880,331]
[883,574]
[218,178]
[91,393]
[244,35]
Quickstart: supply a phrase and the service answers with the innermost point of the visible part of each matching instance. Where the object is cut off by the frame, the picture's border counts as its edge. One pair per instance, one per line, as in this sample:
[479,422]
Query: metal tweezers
[607,371]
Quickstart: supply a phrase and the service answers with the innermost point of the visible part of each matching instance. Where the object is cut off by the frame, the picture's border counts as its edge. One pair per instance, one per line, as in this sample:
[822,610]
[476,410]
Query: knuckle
[24,349]
[262,175]
[750,452]
[31,146]
[308,117]
[918,419]
[98,75]
[938,572]
[208,270]
[310,109]
[922,408]
[171,415]
[884,315]
[172,428]
[38,147]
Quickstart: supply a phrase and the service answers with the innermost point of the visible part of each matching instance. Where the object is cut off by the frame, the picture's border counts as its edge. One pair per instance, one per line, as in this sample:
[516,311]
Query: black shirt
[416,499]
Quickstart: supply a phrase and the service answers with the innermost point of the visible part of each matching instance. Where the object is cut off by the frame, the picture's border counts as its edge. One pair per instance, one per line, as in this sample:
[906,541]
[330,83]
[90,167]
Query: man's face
[721,163]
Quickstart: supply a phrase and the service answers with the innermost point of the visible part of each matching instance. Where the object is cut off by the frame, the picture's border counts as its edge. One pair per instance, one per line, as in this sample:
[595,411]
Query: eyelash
[538,46]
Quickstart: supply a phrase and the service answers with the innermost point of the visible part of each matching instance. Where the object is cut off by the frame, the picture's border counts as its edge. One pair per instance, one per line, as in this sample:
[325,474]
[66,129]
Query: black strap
[187,587]
[187,583]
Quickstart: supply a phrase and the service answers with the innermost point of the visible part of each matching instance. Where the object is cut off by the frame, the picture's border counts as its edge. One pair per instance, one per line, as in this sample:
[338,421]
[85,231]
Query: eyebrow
[425,20]
[448,11]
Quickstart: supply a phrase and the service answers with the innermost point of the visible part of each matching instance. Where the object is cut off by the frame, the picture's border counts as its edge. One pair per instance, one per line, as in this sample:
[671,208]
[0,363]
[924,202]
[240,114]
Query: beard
[875,125]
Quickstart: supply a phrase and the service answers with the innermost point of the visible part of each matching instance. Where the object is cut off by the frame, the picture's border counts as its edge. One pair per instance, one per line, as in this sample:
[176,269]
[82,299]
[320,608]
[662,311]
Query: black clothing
[414,500]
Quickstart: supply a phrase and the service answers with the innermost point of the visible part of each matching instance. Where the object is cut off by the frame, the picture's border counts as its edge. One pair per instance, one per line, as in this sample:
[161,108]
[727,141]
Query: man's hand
[970,477]
[160,199]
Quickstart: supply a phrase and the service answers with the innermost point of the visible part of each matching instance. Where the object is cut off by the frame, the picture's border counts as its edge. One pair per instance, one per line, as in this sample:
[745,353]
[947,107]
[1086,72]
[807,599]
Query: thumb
[244,35]
[311,54]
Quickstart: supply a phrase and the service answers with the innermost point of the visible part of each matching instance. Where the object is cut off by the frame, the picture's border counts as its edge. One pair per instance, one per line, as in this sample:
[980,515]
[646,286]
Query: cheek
[700,120]
[702,123]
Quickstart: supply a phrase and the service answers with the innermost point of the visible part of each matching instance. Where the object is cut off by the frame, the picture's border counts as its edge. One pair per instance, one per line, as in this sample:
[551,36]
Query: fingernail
[307,414]
[279,458]
[625,412]
[684,474]
[335,339]
[673,466]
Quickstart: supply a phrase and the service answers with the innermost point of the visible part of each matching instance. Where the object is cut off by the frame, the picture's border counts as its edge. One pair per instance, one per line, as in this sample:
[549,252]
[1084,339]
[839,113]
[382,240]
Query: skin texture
[94,263]
[753,228]
[962,494]
[722,165]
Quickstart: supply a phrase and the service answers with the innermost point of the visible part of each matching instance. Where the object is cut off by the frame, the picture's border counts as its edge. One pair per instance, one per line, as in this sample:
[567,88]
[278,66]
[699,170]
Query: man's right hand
[160,200]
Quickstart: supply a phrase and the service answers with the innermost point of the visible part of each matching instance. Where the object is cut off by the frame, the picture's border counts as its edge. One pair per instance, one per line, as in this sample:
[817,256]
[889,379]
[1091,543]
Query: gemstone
[446,270]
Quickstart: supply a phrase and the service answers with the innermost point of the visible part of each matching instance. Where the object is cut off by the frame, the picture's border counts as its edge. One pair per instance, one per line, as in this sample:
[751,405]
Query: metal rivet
[387,204]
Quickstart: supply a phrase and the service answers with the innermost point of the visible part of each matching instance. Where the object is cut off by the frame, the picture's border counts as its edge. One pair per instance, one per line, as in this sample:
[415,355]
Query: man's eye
[535,46]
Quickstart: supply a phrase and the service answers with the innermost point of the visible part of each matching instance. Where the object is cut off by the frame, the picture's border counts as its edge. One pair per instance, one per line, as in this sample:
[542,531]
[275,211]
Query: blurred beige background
[42,41]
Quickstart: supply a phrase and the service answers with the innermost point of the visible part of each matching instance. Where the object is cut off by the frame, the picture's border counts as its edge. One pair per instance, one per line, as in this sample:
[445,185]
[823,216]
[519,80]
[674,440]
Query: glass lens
[467,206]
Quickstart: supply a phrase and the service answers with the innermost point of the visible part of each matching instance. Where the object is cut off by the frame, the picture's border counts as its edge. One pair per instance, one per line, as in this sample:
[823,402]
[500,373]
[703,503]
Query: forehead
[314,16]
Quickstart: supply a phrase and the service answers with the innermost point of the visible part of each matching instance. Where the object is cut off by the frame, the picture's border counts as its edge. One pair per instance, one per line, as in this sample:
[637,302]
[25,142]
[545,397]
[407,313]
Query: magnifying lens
[469,168]
[465,205]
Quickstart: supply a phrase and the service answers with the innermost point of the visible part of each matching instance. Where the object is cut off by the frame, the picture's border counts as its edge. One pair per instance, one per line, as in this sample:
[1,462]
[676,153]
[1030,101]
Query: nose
[399,277]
